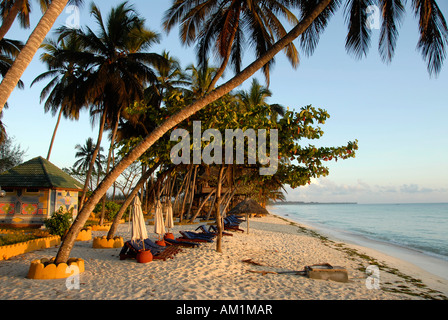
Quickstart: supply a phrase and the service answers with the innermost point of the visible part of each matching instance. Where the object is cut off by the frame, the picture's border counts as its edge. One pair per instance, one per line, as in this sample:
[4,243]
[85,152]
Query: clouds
[326,190]
[413,188]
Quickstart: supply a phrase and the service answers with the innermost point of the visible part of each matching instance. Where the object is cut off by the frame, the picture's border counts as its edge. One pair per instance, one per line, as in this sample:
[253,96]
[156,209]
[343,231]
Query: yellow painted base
[85,235]
[104,243]
[104,227]
[45,269]
[12,250]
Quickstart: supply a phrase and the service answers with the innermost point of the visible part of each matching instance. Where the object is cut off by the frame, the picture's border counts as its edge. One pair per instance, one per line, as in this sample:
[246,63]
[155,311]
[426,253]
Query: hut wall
[24,207]
[67,200]
[29,207]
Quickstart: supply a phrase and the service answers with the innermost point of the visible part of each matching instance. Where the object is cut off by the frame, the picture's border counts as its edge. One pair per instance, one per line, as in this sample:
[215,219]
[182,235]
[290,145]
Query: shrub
[59,222]
[111,210]
[16,238]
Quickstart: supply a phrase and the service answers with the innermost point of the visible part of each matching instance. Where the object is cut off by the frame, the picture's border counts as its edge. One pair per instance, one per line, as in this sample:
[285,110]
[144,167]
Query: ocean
[417,233]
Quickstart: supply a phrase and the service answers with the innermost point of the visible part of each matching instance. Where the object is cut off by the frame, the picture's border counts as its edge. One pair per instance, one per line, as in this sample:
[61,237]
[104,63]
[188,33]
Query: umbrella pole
[247,220]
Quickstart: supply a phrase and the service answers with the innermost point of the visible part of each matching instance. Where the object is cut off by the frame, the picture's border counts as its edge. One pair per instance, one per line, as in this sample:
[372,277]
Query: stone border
[12,250]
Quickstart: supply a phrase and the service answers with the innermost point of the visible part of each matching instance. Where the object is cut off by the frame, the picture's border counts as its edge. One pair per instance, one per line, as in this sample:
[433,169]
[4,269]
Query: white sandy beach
[202,273]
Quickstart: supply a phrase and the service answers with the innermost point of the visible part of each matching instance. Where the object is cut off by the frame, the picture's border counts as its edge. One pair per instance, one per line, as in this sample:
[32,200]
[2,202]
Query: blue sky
[396,111]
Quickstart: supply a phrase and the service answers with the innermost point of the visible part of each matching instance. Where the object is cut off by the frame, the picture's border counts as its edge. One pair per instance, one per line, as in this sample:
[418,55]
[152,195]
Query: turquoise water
[422,228]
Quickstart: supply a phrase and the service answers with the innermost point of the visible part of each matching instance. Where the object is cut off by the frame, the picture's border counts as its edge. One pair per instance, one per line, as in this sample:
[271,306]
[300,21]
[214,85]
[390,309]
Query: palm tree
[118,67]
[85,155]
[29,50]
[201,78]
[313,20]
[228,27]
[9,49]
[257,96]
[61,92]
[170,76]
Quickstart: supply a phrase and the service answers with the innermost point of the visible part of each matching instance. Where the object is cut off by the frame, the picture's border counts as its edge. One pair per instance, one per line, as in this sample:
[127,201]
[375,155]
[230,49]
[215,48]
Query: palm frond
[392,13]
[433,34]
[310,38]
[358,37]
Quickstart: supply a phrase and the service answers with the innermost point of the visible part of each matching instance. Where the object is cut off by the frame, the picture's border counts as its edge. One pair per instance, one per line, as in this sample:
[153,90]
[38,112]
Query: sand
[202,273]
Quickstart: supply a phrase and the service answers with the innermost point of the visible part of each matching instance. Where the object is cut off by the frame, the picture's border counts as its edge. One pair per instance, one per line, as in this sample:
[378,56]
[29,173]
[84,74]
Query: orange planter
[45,269]
[104,227]
[85,235]
[104,243]
[161,243]
[169,236]
[144,256]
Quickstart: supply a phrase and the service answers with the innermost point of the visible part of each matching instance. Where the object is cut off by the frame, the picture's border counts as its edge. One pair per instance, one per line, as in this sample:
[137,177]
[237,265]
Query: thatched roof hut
[248,206]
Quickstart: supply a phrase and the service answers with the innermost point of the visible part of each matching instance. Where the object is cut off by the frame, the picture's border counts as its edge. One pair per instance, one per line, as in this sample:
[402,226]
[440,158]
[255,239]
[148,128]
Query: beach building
[34,190]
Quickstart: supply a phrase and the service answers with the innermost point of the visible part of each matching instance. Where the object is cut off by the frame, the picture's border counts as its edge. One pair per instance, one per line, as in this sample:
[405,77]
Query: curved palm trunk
[25,56]
[54,134]
[92,161]
[148,141]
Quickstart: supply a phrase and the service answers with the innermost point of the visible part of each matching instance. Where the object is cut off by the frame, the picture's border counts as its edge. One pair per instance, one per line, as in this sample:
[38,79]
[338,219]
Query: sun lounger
[181,243]
[212,230]
[232,226]
[168,253]
[196,237]
[131,248]
[235,219]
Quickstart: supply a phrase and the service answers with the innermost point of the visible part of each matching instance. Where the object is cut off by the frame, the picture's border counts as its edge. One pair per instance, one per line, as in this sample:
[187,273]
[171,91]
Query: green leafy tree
[11,154]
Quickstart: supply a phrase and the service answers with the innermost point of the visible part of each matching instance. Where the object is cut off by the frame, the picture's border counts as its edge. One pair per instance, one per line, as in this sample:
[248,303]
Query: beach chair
[235,219]
[195,237]
[131,248]
[212,230]
[181,243]
[231,225]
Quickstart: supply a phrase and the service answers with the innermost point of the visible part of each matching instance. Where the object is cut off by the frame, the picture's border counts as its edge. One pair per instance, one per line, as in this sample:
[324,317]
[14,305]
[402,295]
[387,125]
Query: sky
[397,111]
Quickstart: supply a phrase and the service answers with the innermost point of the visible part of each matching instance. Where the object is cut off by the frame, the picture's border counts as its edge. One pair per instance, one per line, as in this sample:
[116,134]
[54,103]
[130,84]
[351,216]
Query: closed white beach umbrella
[169,221]
[159,225]
[138,222]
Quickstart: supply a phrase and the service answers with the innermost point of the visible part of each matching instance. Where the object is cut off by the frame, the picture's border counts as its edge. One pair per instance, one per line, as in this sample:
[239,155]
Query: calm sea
[417,232]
